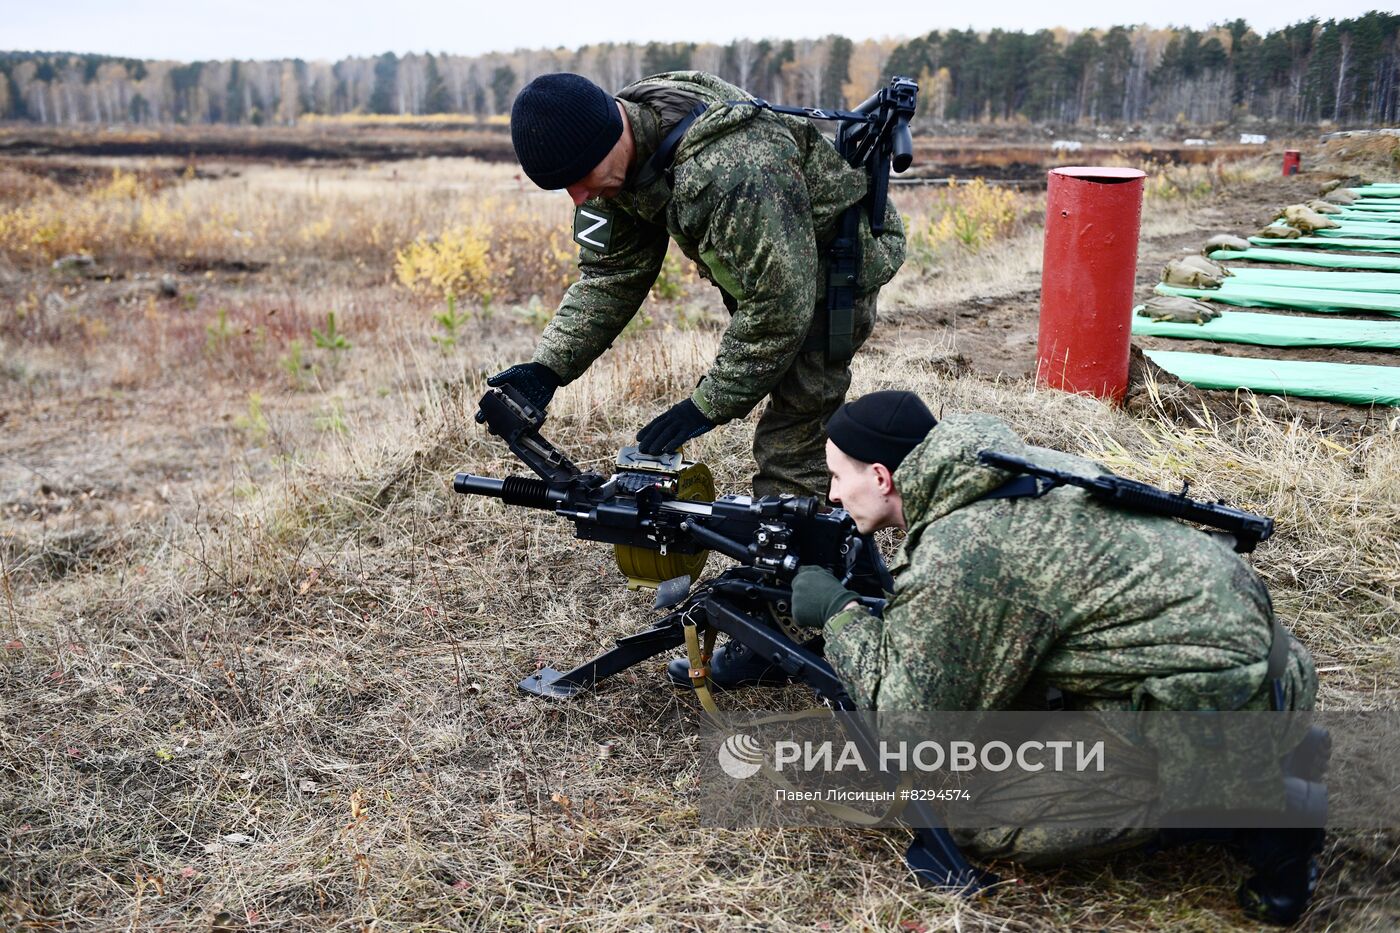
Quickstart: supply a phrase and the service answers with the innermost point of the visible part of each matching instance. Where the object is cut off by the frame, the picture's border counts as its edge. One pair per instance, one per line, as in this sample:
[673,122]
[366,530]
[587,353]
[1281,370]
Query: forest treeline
[1345,71]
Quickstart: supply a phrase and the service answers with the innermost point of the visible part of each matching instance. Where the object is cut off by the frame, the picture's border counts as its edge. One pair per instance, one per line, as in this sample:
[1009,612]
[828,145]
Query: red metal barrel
[1292,161]
[1092,219]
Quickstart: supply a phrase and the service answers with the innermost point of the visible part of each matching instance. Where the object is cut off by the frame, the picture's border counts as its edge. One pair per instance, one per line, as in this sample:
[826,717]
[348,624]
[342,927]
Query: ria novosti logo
[740,756]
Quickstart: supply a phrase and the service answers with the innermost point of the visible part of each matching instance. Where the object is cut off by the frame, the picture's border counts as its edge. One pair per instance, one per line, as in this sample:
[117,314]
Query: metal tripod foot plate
[547,682]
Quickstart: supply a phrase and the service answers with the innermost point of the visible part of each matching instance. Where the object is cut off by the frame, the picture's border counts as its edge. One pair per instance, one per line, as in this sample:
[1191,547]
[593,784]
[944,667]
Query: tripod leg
[936,862]
[633,649]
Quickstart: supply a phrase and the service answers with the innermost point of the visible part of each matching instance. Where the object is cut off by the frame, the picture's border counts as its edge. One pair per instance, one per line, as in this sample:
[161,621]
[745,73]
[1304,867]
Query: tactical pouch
[833,326]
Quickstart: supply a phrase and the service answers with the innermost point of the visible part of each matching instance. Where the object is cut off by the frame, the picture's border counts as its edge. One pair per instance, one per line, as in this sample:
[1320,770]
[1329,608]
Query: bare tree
[751,58]
[810,65]
[1343,60]
[413,83]
[707,57]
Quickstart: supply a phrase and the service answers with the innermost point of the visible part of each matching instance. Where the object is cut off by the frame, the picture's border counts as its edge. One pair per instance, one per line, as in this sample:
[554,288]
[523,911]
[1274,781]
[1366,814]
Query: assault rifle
[875,136]
[1247,528]
[644,510]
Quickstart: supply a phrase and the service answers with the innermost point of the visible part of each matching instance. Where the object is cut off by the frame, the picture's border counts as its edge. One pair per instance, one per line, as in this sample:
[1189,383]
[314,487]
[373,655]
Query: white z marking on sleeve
[583,235]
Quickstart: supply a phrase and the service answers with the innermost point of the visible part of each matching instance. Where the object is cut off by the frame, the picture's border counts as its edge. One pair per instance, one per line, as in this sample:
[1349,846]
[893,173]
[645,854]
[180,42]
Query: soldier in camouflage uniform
[997,600]
[751,197]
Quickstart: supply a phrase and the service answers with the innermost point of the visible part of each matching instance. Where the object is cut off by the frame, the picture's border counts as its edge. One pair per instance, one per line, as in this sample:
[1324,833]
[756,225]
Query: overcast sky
[186,30]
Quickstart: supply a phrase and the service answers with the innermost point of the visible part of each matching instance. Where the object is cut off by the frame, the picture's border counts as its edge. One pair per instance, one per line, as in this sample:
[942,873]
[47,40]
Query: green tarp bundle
[1363,230]
[1297,278]
[1380,246]
[1341,382]
[1372,207]
[1377,191]
[1300,299]
[1308,257]
[1276,330]
[1367,217]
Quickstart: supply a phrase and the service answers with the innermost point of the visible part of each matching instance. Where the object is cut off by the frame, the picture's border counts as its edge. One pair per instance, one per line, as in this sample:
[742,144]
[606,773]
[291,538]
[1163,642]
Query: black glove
[817,596]
[676,425]
[535,381]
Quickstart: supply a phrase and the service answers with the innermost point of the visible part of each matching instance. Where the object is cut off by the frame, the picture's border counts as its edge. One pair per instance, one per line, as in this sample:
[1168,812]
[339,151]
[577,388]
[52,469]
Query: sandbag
[1347,186]
[1202,273]
[1224,241]
[1339,196]
[1307,219]
[1279,232]
[1178,310]
[1208,266]
[1324,207]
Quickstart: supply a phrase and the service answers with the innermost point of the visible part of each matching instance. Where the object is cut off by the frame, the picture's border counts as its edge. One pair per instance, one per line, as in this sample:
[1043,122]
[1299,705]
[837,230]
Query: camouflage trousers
[1136,803]
[789,442]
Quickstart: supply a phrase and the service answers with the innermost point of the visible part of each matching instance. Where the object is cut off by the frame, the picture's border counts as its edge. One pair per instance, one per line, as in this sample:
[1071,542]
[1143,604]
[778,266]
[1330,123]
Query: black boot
[734,665]
[1285,874]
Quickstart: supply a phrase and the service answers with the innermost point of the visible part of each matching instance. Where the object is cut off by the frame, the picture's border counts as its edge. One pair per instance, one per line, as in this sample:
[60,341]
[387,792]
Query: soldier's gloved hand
[535,381]
[817,596]
[672,428]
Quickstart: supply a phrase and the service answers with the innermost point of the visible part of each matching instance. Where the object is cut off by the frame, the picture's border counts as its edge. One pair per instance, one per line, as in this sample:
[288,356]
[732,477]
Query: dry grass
[275,215]
[1376,155]
[259,666]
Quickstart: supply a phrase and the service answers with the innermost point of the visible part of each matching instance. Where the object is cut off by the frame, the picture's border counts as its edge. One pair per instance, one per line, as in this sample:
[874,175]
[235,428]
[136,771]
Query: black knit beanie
[881,427]
[562,125]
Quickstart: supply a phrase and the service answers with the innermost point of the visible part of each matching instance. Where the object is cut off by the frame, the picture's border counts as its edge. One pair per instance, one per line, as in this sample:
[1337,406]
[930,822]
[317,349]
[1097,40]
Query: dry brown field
[258,662]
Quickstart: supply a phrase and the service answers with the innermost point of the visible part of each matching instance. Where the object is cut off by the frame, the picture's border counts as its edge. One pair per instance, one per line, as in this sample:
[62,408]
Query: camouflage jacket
[752,196]
[996,600]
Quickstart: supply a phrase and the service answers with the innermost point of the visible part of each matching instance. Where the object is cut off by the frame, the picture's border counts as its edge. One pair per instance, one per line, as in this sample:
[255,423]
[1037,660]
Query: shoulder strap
[1024,486]
[659,164]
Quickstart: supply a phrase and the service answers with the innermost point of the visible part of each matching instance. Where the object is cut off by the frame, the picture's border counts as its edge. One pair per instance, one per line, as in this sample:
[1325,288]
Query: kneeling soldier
[998,600]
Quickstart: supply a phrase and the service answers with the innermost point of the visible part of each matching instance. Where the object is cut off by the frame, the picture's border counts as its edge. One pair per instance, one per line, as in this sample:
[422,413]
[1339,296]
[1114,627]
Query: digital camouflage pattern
[753,197]
[998,600]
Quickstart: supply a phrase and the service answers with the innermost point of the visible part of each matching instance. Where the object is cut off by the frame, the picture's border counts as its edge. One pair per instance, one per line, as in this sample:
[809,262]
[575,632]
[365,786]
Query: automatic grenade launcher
[656,513]
[660,513]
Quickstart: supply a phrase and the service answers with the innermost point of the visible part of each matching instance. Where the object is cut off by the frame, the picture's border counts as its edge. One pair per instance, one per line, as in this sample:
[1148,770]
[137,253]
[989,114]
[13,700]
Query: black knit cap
[562,125]
[881,427]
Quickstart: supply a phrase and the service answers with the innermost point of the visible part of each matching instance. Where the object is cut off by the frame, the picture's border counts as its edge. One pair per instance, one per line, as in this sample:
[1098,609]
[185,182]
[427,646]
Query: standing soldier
[752,197]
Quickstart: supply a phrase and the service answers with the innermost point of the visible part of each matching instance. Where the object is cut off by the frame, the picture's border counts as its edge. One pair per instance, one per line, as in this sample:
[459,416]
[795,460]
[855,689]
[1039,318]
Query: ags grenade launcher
[657,514]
